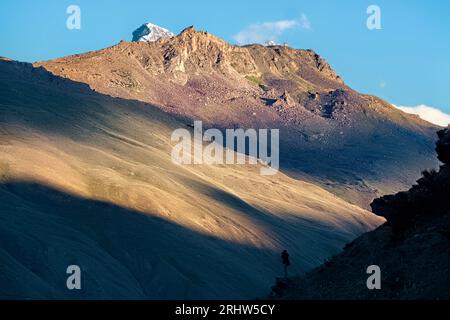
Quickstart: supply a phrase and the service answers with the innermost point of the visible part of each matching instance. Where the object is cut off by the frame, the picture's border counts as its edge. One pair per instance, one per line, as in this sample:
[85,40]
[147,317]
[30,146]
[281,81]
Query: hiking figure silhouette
[285,261]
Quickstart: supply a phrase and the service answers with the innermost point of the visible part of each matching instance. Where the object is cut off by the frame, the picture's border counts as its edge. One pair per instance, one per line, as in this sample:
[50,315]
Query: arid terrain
[87,179]
[411,249]
[86,175]
[354,145]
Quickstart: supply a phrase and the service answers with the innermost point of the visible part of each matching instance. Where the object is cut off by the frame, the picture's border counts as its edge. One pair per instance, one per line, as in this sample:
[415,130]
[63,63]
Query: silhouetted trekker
[285,261]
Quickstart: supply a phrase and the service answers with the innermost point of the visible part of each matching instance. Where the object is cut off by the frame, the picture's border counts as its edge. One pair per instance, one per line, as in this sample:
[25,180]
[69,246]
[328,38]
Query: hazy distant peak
[151,32]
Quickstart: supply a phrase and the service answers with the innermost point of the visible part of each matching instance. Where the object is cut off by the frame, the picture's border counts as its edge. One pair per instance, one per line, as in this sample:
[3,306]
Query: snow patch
[150,32]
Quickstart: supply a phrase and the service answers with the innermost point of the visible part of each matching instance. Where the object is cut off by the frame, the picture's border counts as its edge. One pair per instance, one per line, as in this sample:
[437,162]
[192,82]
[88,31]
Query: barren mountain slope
[355,145]
[87,179]
[411,248]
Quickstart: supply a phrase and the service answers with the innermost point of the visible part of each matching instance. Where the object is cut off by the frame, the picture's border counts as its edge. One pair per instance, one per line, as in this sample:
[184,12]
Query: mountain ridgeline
[354,145]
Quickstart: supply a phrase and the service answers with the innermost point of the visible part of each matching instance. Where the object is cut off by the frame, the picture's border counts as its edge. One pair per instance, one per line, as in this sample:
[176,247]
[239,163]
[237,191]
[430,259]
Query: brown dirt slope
[87,179]
[355,145]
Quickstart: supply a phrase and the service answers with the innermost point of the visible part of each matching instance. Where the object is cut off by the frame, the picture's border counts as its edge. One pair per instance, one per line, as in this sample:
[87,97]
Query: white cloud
[270,31]
[304,22]
[429,114]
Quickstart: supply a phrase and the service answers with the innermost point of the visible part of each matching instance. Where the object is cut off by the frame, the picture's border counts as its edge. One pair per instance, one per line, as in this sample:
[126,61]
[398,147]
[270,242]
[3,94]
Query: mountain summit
[150,32]
[357,146]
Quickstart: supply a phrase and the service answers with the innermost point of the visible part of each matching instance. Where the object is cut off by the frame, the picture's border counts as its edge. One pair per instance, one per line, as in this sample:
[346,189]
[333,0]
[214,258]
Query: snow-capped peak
[151,32]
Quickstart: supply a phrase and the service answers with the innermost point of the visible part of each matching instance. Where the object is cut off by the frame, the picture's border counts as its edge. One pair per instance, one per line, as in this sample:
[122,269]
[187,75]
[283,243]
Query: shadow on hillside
[122,253]
[281,227]
[37,99]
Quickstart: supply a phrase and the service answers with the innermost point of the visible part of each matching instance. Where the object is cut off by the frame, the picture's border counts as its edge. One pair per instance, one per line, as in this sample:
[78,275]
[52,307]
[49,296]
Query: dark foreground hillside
[412,248]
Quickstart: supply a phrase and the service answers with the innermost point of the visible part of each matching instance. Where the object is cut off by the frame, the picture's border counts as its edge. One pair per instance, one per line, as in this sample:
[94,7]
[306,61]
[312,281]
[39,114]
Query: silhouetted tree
[428,197]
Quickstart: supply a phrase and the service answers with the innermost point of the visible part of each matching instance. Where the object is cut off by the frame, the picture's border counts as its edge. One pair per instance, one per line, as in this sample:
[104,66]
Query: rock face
[356,146]
[412,248]
[150,32]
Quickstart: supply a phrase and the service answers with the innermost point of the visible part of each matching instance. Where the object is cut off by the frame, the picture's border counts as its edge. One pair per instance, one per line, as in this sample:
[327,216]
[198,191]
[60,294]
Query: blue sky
[407,62]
